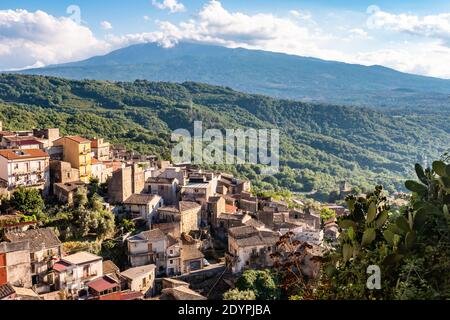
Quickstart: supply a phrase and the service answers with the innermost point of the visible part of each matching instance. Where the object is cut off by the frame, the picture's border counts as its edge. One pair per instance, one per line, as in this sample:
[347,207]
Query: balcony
[29,183]
[88,276]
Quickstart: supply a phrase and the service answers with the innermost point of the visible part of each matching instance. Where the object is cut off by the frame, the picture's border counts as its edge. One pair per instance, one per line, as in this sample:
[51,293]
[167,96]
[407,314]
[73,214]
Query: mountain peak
[256,71]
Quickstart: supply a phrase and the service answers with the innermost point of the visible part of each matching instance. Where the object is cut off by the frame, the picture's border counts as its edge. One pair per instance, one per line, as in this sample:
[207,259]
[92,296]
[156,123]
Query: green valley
[321,144]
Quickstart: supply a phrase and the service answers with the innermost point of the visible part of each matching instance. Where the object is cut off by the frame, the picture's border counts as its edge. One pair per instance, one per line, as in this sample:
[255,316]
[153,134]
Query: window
[171,252]
[171,261]
[86,271]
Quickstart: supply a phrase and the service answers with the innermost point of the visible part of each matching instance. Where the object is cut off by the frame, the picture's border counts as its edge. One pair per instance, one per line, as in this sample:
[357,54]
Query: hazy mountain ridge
[255,71]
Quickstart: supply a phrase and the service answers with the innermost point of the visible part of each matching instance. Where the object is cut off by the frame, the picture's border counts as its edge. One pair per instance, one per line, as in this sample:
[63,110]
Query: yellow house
[77,151]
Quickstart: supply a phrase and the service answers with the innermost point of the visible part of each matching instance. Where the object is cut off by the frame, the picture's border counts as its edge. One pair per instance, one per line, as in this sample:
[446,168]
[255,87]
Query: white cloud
[359,32]
[28,38]
[106,25]
[301,14]
[173,5]
[37,39]
[431,26]
[146,18]
[426,58]
[216,25]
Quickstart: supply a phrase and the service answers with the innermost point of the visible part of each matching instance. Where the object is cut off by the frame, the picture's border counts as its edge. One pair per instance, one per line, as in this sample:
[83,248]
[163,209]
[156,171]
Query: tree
[28,201]
[95,185]
[411,247]
[80,198]
[96,202]
[236,295]
[290,258]
[262,282]
[327,214]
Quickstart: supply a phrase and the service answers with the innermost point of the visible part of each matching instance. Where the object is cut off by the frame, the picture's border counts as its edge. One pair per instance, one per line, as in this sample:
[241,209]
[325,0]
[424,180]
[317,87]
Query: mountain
[253,71]
[320,145]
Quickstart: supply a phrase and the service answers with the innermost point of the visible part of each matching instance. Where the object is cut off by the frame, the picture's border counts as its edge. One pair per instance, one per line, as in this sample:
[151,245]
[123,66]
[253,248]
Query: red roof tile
[133,295]
[95,161]
[102,284]
[76,139]
[23,154]
[60,266]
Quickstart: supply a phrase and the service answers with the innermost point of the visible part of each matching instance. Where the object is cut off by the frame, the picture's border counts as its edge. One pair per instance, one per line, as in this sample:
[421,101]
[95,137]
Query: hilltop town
[178,232]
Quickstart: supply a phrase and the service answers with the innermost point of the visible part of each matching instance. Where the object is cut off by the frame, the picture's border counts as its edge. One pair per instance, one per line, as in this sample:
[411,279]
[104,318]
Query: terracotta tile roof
[110,267]
[188,205]
[141,199]
[95,161]
[230,216]
[132,295]
[243,231]
[137,272]
[182,293]
[94,143]
[190,252]
[174,282]
[6,134]
[61,266]
[6,290]
[103,283]
[160,180]
[23,154]
[214,199]
[23,141]
[171,209]
[77,139]
[230,209]
[39,239]
[171,240]
[70,186]
[150,235]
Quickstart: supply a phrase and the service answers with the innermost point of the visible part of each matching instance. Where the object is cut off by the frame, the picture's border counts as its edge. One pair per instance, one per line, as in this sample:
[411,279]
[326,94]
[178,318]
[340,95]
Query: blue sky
[411,36]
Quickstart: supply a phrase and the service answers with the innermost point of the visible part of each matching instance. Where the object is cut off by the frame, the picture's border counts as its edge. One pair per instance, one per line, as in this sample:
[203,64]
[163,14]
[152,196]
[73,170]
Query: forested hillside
[321,144]
[255,71]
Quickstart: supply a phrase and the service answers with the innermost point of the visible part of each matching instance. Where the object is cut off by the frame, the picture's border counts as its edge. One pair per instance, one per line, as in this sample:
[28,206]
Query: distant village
[197,230]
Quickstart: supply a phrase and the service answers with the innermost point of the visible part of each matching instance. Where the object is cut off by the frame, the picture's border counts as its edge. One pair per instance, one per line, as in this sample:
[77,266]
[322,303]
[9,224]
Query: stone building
[65,192]
[44,249]
[249,248]
[77,151]
[101,149]
[15,264]
[62,172]
[125,182]
[167,188]
[148,247]
[187,214]
[144,206]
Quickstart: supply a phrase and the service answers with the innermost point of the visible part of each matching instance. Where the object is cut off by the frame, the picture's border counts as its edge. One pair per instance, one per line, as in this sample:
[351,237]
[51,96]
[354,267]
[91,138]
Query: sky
[408,35]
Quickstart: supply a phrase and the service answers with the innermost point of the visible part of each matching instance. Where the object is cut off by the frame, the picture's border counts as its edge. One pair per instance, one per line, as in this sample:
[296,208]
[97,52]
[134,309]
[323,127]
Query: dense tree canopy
[411,246]
[320,145]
